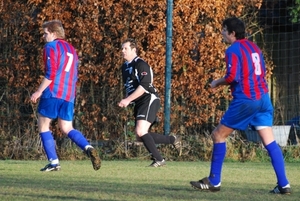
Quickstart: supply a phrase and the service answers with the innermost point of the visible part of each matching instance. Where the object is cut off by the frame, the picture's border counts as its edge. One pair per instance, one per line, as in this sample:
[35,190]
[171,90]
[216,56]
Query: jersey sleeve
[232,67]
[145,76]
[50,62]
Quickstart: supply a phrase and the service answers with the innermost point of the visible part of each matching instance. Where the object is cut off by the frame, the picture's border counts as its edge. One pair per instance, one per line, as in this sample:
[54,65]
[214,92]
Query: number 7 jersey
[61,66]
[245,70]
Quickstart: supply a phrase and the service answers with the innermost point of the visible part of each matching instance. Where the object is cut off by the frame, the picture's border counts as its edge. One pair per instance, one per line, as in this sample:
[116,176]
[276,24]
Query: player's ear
[233,33]
[54,34]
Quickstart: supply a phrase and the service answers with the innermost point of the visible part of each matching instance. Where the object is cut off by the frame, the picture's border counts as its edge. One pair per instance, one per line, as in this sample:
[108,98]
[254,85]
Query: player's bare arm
[137,93]
[218,82]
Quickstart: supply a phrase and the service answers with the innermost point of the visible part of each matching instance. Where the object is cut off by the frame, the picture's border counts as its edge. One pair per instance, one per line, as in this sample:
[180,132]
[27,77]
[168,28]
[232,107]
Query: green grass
[132,180]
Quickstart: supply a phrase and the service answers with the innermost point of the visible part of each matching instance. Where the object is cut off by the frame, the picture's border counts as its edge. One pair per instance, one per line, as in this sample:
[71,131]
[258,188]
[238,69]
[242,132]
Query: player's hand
[34,97]
[213,84]
[124,103]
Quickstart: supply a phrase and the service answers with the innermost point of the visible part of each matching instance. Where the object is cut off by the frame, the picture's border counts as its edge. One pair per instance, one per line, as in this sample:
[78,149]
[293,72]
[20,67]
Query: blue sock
[277,160]
[49,145]
[218,156]
[77,137]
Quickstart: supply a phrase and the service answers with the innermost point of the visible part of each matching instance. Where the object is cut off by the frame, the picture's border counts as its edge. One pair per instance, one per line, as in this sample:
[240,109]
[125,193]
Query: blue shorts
[56,108]
[244,112]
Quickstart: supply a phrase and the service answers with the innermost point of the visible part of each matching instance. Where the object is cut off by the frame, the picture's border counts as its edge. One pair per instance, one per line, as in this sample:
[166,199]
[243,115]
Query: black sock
[151,147]
[162,139]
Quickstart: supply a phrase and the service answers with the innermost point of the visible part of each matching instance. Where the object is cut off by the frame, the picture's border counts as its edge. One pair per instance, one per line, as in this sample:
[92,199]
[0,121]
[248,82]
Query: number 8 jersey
[245,70]
[61,66]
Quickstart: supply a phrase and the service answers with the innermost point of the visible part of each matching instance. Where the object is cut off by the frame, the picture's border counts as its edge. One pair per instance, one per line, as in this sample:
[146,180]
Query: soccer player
[251,105]
[57,95]
[138,83]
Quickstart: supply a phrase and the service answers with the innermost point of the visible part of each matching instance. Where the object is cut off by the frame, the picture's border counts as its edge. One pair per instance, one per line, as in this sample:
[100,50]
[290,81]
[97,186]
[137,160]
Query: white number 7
[70,61]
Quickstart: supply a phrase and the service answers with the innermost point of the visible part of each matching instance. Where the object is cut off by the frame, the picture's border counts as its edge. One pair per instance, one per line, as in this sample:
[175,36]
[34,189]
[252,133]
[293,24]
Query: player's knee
[217,136]
[66,129]
[138,139]
[65,126]
[140,133]
[213,136]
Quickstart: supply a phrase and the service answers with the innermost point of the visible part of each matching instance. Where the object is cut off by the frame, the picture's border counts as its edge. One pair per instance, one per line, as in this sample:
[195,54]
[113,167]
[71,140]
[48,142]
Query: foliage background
[96,29]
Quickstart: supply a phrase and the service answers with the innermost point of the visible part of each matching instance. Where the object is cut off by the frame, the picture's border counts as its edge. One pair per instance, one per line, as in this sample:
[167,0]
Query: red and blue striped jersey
[61,66]
[245,70]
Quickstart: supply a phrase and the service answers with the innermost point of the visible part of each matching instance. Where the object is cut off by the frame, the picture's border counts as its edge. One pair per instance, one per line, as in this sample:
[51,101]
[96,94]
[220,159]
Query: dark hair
[131,42]
[236,25]
[55,26]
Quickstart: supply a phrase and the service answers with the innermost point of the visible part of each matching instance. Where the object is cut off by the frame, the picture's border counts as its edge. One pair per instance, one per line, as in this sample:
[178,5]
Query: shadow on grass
[55,189]
[68,186]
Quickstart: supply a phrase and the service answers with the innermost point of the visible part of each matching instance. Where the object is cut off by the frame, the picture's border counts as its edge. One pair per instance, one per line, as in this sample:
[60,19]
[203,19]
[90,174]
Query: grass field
[132,180]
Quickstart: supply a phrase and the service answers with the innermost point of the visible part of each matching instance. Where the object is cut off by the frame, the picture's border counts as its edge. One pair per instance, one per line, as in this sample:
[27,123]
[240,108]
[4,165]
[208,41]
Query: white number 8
[256,61]
[70,61]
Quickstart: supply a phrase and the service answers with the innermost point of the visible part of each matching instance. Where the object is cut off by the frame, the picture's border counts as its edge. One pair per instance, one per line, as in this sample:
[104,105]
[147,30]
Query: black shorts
[146,108]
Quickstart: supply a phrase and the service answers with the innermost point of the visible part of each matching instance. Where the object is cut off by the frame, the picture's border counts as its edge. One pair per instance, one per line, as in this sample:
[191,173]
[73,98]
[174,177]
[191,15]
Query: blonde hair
[55,26]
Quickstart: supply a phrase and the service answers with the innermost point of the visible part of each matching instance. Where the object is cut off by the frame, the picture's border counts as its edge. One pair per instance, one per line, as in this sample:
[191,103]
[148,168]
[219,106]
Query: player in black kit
[138,83]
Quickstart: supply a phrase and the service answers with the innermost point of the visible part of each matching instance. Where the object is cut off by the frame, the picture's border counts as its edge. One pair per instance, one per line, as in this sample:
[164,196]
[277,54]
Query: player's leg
[46,112]
[277,160]
[48,144]
[219,135]
[238,116]
[141,130]
[175,140]
[75,135]
[213,182]
[263,122]
[65,117]
[161,139]
[145,114]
